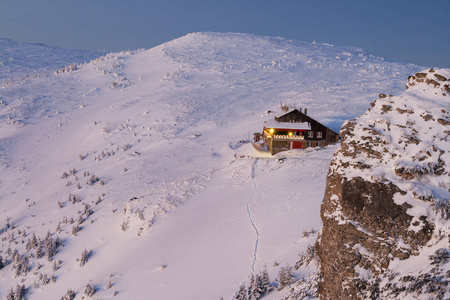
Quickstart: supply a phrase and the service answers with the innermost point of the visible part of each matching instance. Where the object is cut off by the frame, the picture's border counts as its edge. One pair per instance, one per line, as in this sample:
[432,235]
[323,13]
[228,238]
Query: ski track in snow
[250,214]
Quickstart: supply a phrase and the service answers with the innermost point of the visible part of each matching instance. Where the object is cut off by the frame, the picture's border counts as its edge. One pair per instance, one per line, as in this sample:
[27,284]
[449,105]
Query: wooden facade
[296,130]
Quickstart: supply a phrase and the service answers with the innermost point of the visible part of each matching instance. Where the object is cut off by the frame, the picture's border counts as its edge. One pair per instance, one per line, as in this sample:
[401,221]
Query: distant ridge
[18,59]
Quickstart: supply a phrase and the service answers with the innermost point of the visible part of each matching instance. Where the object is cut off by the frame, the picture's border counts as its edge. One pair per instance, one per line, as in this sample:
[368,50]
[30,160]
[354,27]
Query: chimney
[306,111]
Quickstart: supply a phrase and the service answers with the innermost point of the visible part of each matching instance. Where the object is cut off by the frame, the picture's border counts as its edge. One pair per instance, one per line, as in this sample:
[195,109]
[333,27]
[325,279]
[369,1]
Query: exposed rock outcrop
[386,205]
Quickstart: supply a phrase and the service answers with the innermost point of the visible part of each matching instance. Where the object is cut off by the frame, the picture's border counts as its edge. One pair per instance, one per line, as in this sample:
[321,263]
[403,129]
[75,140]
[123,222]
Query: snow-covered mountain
[140,159]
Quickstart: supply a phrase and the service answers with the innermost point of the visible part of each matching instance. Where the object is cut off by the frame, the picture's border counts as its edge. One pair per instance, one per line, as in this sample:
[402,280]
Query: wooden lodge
[295,130]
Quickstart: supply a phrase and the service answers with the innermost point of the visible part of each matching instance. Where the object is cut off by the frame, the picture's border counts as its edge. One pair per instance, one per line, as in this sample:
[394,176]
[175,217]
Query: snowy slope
[19,61]
[181,208]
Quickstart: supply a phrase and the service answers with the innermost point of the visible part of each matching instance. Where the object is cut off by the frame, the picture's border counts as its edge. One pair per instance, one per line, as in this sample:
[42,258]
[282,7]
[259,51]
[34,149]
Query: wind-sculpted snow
[127,157]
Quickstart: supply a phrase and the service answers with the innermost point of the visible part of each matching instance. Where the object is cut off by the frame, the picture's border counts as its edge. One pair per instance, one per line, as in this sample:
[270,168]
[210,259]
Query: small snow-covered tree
[285,277]
[75,230]
[70,295]
[242,293]
[39,251]
[44,279]
[254,289]
[32,243]
[20,265]
[10,295]
[16,294]
[50,247]
[306,257]
[265,281]
[87,210]
[55,266]
[84,257]
[89,290]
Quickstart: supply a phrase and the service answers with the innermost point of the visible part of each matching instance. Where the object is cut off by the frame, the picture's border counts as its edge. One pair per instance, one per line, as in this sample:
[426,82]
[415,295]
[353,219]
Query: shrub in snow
[74,198]
[44,279]
[285,277]
[108,285]
[84,257]
[17,294]
[441,256]
[124,225]
[2,263]
[55,266]
[306,257]
[93,179]
[67,69]
[307,233]
[89,290]
[87,210]
[75,230]
[242,293]
[64,175]
[70,295]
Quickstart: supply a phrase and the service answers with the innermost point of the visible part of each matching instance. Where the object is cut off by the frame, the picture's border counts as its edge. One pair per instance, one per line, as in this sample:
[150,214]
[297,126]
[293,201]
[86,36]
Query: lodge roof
[287,125]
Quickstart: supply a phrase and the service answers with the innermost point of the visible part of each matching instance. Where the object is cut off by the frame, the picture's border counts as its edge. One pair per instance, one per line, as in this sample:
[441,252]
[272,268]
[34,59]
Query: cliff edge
[386,211]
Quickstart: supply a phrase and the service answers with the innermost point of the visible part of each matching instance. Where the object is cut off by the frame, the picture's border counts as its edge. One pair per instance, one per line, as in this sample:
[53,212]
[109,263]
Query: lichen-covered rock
[386,205]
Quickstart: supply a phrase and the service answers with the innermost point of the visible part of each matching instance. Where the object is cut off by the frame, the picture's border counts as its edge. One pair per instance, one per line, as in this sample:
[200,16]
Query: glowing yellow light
[290,133]
[271,130]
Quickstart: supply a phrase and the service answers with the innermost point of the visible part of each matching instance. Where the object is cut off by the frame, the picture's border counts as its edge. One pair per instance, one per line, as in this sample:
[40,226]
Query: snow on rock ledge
[387,197]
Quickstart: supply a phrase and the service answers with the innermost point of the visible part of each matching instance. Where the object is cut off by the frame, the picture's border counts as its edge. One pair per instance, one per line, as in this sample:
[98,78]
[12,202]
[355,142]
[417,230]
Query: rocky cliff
[385,210]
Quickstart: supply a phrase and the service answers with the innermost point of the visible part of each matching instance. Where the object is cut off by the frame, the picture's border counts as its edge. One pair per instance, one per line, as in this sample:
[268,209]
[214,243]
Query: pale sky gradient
[415,31]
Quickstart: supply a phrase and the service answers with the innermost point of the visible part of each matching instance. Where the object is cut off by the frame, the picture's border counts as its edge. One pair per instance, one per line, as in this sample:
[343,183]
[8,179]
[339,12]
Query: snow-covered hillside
[140,158]
[20,61]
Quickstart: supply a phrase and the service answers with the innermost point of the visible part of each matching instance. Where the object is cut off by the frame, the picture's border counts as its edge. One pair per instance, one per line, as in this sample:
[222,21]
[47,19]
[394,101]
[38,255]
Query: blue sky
[415,31]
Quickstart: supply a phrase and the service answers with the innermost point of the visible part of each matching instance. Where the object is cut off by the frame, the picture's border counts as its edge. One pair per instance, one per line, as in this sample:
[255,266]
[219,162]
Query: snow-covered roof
[288,125]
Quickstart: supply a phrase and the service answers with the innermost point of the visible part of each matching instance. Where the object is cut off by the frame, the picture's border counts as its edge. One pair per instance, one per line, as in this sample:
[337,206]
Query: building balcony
[279,137]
